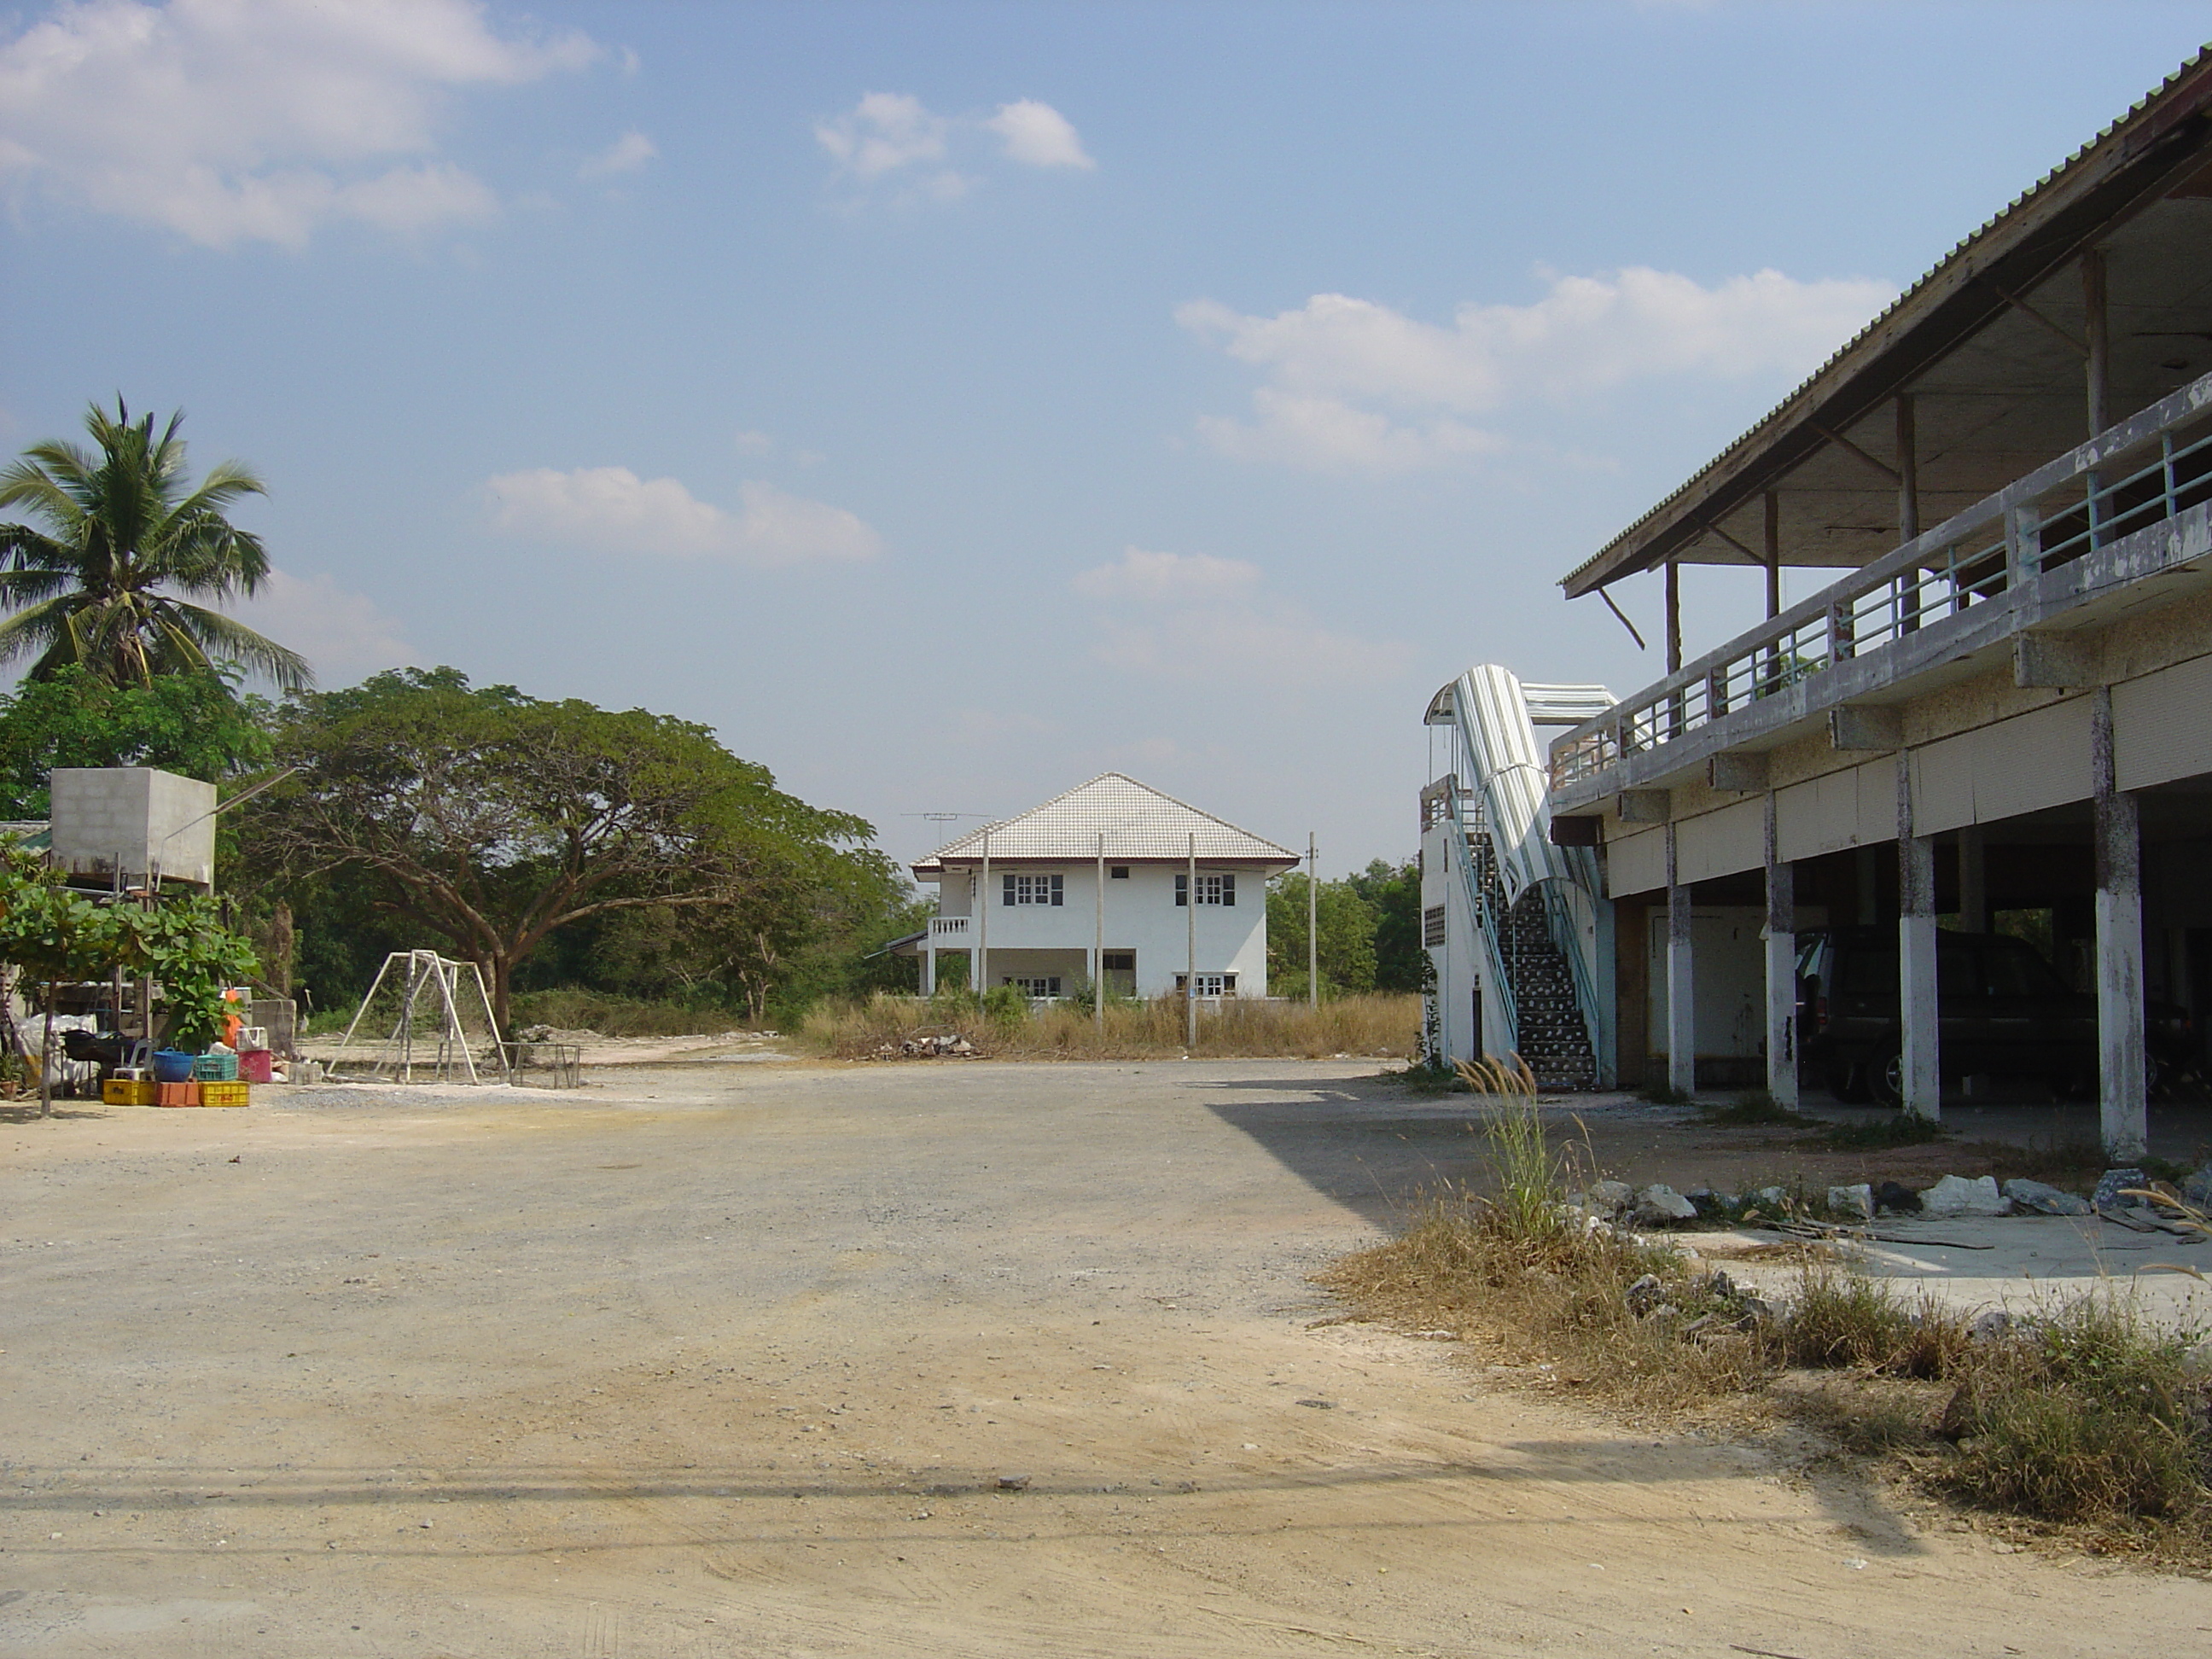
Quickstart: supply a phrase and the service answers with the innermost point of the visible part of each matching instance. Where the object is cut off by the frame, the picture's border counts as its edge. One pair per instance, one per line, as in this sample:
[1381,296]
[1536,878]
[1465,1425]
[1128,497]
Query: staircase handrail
[1487,922]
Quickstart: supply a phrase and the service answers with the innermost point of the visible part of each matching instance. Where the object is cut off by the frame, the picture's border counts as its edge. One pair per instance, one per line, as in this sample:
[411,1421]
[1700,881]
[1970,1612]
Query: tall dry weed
[1371,1025]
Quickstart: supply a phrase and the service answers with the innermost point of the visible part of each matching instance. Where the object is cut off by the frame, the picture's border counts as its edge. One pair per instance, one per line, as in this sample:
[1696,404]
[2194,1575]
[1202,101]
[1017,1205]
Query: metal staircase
[1521,891]
[1528,971]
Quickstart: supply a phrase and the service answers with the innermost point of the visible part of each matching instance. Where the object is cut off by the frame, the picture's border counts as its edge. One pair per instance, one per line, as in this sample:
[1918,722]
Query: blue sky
[949,402]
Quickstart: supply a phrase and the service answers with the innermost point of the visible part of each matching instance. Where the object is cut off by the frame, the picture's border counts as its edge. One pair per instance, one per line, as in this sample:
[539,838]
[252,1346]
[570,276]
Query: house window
[1047,987]
[1212,889]
[1210,985]
[1118,871]
[1432,925]
[1032,889]
[1119,962]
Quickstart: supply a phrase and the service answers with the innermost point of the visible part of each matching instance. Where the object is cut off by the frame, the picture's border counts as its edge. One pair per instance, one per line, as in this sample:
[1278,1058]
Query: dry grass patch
[1006,1027]
[2086,1415]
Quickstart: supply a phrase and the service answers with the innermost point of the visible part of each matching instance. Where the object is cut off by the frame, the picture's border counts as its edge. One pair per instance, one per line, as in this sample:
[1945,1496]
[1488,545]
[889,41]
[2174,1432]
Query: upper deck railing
[2152,466]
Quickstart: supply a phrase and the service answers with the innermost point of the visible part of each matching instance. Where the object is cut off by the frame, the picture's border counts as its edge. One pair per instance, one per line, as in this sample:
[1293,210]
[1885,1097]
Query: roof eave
[2136,159]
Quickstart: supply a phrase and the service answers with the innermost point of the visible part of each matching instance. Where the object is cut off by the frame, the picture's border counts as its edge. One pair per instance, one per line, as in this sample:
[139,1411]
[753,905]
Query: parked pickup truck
[2000,1010]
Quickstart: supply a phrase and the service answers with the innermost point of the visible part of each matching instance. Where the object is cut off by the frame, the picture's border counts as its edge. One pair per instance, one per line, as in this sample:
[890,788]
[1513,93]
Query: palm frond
[222,637]
[36,627]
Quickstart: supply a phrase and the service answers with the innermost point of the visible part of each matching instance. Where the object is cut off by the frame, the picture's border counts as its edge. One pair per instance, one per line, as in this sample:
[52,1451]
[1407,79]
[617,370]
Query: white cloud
[626,155]
[1336,364]
[345,635]
[1326,435]
[612,509]
[885,131]
[1158,578]
[258,120]
[1037,135]
[754,443]
[892,136]
[1195,617]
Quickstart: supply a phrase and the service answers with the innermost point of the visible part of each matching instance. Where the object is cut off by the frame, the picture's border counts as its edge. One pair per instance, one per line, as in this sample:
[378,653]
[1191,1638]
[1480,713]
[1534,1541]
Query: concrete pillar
[1781,970]
[2123,1118]
[1973,881]
[929,967]
[1682,983]
[1916,955]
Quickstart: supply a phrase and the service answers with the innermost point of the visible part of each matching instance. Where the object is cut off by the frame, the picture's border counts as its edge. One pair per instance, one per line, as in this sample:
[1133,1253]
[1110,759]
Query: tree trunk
[278,970]
[499,970]
[46,1059]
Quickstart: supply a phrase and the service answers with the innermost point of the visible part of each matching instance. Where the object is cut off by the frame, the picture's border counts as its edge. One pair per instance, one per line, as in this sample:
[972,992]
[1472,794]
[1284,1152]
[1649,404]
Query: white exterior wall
[1141,915]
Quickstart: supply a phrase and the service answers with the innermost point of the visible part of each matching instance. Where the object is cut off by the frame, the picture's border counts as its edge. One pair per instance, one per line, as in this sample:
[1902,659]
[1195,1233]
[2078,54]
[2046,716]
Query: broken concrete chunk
[1646,1294]
[1773,1197]
[2196,1190]
[2112,1183]
[1659,1203]
[1956,1195]
[1856,1200]
[2038,1199]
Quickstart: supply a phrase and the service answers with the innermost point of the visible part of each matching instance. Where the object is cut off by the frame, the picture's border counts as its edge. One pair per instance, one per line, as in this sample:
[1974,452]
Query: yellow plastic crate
[224,1094]
[123,1091]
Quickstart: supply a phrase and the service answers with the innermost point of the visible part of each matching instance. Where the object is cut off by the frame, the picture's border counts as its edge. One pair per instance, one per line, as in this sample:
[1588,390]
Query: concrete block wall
[148,821]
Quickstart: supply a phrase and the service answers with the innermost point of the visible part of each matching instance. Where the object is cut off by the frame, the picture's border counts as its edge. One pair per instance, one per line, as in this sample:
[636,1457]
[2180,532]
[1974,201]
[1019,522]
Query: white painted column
[1781,936]
[929,965]
[1681,982]
[2124,1115]
[1916,955]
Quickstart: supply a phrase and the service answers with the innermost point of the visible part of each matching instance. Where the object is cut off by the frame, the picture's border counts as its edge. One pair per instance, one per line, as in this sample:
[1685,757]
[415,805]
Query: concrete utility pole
[1312,924]
[983,924]
[1190,973]
[1098,950]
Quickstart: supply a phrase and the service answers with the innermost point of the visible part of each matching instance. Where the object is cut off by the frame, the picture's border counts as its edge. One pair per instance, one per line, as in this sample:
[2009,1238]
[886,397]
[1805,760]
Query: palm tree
[124,528]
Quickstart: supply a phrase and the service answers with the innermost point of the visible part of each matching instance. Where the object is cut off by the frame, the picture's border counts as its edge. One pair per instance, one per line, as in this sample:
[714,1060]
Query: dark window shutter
[1009,890]
[1229,890]
[1183,889]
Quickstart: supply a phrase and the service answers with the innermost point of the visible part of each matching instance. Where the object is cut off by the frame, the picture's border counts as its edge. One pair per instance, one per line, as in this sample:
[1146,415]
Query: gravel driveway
[951,1359]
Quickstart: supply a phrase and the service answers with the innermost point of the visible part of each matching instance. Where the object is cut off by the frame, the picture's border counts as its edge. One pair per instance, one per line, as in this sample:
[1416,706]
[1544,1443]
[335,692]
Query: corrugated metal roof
[2144,122]
[1138,822]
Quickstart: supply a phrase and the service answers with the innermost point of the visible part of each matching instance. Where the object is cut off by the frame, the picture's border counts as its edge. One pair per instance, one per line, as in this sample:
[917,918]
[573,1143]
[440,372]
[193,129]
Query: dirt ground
[715,1359]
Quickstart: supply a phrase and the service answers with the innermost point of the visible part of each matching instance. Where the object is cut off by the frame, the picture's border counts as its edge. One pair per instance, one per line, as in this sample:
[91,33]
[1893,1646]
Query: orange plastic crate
[176,1094]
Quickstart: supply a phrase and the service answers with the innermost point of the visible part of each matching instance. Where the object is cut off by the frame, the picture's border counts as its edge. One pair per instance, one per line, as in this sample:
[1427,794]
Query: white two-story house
[1098,884]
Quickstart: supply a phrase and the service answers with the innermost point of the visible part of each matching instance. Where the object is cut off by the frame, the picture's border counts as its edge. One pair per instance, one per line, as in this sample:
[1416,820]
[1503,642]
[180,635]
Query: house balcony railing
[2145,472]
[950,928]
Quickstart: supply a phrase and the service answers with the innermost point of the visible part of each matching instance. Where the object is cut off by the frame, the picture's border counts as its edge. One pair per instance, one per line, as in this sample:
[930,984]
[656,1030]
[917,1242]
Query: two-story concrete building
[1113,882]
[1997,715]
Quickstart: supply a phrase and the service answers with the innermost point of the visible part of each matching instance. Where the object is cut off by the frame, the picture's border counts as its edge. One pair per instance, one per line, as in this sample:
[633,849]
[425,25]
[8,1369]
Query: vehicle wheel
[1846,1080]
[1885,1076]
[2154,1075]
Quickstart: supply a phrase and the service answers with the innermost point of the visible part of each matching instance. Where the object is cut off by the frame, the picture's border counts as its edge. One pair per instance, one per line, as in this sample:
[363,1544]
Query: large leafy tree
[126,545]
[191,724]
[1346,934]
[490,819]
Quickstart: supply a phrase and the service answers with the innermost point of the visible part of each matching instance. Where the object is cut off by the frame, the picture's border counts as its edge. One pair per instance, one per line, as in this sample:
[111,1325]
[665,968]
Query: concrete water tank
[134,818]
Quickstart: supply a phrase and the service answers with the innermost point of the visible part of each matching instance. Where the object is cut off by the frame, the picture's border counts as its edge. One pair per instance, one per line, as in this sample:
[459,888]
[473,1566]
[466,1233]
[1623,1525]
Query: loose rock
[2197,1191]
[1897,1198]
[1659,1203]
[2112,1183]
[1646,1294]
[2038,1199]
[1612,1196]
[1956,1195]
[1857,1200]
